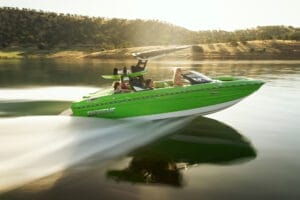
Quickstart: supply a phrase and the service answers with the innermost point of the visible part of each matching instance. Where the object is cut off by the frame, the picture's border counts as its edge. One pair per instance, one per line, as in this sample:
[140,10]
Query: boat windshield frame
[196,78]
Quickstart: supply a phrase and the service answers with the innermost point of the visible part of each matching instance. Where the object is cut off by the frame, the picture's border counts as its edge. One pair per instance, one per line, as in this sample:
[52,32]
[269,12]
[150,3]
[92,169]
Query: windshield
[196,77]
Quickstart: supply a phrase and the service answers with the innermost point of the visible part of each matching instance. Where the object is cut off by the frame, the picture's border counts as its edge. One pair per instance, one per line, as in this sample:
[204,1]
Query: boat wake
[58,93]
[35,147]
[41,100]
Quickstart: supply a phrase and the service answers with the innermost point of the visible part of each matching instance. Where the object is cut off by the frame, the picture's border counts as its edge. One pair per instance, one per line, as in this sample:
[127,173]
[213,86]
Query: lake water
[248,151]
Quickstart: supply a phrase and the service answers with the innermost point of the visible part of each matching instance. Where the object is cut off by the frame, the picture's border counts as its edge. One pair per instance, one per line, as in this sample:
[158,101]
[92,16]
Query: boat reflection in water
[201,141]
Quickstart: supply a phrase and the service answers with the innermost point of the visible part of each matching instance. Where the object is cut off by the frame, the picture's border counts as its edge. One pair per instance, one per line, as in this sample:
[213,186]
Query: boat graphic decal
[100,112]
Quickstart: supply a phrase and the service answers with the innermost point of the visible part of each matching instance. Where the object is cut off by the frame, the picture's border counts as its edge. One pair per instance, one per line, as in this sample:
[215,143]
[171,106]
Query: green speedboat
[200,95]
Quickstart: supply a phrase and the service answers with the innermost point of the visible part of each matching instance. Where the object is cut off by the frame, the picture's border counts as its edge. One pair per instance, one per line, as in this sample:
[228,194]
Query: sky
[192,14]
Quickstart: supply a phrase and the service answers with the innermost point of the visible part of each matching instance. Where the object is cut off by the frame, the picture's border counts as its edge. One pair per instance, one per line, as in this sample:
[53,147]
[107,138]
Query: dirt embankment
[251,50]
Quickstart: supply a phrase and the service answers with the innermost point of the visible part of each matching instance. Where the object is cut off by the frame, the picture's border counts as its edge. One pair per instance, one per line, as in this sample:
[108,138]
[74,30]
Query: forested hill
[46,30]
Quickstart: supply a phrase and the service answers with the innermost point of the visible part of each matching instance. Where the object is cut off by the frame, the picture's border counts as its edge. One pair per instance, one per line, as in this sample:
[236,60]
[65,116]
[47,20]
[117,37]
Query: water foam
[35,147]
[45,93]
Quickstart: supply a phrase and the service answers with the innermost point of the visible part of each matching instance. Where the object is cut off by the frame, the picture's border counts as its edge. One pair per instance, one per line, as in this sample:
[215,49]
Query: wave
[57,93]
[35,147]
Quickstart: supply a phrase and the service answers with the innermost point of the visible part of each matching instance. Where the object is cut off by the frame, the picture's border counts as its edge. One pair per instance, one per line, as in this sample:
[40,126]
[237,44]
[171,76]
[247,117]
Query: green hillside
[45,30]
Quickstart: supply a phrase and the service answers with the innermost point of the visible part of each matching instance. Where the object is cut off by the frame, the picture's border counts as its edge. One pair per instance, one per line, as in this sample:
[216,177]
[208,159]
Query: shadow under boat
[202,141]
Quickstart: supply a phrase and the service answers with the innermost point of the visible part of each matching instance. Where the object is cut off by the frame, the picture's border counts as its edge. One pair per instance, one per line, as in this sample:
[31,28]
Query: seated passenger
[149,84]
[138,67]
[124,70]
[115,72]
[124,86]
[177,78]
[137,82]
[118,89]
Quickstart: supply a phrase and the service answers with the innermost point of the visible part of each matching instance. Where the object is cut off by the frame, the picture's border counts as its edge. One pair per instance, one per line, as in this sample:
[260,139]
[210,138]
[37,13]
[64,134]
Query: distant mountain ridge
[47,30]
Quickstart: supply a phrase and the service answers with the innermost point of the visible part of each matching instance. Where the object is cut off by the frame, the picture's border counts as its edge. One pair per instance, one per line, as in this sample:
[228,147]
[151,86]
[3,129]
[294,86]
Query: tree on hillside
[25,27]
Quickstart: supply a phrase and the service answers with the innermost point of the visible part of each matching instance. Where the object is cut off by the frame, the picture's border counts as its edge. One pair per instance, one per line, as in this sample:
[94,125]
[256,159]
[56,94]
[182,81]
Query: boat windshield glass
[196,77]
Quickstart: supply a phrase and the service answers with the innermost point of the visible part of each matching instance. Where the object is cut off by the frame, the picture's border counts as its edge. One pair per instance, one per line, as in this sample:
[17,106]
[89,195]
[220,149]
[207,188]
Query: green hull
[167,102]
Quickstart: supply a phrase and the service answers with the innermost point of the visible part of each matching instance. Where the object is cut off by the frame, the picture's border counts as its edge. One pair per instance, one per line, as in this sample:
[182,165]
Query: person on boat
[149,84]
[118,89]
[177,78]
[137,82]
[124,86]
[125,70]
[115,72]
[138,67]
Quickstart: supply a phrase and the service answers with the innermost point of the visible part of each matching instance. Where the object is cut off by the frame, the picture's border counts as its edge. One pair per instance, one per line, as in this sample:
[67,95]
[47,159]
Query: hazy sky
[192,14]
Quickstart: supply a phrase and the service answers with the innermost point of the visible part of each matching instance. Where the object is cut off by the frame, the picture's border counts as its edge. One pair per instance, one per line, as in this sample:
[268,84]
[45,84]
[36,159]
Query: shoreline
[251,50]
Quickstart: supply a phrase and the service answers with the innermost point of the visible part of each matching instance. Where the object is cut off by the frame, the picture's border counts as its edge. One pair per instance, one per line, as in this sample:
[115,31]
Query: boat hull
[196,111]
[162,103]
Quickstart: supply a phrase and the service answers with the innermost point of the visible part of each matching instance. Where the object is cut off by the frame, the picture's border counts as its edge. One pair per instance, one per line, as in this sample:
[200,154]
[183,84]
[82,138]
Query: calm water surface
[249,151]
